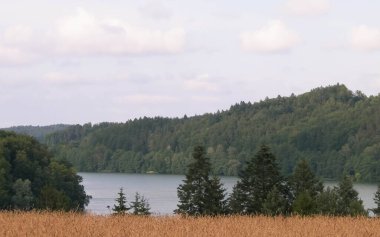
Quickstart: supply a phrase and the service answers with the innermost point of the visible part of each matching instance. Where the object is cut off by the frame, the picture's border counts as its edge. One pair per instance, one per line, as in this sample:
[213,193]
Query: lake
[161,190]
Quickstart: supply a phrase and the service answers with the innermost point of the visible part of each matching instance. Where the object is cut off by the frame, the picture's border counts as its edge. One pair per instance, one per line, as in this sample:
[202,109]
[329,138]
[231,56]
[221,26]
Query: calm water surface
[161,190]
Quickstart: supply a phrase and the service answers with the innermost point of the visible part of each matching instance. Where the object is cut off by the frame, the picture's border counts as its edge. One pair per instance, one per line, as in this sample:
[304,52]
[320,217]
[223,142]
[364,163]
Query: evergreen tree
[304,180]
[120,208]
[327,202]
[304,204]
[376,210]
[140,205]
[348,199]
[23,198]
[200,195]
[306,187]
[275,203]
[256,182]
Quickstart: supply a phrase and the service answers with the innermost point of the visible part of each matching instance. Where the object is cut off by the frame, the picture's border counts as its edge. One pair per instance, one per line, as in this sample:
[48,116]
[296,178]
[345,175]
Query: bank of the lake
[161,190]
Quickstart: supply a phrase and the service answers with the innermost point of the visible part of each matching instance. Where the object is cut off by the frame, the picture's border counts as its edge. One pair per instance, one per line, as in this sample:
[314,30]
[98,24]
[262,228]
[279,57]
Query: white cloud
[205,98]
[307,7]
[85,34]
[18,34]
[274,37]
[13,56]
[156,10]
[145,99]
[365,38]
[201,83]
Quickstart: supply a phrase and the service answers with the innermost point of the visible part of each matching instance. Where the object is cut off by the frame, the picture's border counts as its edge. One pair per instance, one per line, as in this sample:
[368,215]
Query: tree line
[31,180]
[335,129]
[262,190]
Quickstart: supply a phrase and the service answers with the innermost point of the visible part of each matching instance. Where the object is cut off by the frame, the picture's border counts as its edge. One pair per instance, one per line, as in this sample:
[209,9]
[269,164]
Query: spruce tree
[376,210]
[140,205]
[306,187]
[256,182]
[120,208]
[348,199]
[304,180]
[200,195]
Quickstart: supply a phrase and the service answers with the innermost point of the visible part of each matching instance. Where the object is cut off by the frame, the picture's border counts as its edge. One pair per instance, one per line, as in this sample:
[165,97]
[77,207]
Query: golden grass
[69,224]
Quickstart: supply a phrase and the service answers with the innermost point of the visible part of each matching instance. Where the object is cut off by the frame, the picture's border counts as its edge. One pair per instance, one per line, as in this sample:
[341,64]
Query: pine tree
[120,208]
[348,199]
[256,182]
[275,203]
[376,210]
[200,195]
[306,187]
[140,205]
[303,179]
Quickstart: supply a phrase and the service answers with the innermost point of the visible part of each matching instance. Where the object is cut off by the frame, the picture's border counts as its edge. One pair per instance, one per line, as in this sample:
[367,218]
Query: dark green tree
[259,178]
[23,196]
[348,199]
[304,180]
[304,204]
[121,208]
[327,202]
[275,203]
[306,187]
[376,210]
[200,194]
[140,205]
[30,178]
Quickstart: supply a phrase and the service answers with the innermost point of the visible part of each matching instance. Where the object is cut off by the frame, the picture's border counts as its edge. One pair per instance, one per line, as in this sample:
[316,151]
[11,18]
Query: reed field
[71,224]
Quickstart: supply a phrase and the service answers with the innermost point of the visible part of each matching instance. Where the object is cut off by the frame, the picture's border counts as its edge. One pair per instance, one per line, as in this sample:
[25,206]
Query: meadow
[71,224]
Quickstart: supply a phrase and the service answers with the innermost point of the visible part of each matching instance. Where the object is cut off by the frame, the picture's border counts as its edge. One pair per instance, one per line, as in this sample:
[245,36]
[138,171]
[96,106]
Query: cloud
[145,99]
[13,56]
[307,7]
[365,38]
[84,34]
[205,98]
[156,10]
[274,37]
[201,83]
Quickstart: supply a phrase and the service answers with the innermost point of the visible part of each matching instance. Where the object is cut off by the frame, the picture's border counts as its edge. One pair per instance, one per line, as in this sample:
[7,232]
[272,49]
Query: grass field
[68,224]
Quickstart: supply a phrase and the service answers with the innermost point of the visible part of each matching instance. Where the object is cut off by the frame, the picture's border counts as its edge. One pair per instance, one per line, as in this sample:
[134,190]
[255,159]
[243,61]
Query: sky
[83,61]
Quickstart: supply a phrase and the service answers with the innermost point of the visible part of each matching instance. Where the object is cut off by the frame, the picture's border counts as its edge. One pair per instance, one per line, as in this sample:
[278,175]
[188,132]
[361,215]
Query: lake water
[161,190]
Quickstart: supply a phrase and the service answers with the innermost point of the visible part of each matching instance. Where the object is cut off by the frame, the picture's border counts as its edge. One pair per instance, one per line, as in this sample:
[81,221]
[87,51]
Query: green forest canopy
[30,179]
[336,130]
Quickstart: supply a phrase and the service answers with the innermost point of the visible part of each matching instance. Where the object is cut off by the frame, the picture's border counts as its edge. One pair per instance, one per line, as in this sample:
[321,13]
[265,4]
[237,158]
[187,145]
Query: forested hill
[336,130]
[38,132]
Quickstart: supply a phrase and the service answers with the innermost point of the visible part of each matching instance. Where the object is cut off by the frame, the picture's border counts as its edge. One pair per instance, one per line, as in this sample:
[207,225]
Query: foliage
[306,187]
[348,201]
[140,205]
[260,180]
[335,129]
[376,210]
[30,179]
[200,195]
[120,208]
[342,200]
[38,132]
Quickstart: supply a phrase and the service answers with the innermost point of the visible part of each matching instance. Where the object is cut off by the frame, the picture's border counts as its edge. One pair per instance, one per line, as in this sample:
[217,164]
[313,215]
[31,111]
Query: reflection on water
[161,190]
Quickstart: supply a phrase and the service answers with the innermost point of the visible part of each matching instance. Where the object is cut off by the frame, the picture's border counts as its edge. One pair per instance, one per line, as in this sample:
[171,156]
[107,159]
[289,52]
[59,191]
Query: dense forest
[336,130]
[38,132]
[31,179]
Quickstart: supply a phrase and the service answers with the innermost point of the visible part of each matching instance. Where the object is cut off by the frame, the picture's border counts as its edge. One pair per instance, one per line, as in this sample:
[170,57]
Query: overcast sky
[95,60]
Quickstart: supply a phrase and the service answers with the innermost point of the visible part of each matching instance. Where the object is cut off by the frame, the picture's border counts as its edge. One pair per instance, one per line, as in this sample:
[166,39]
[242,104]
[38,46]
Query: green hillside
[336,130]
[38,132]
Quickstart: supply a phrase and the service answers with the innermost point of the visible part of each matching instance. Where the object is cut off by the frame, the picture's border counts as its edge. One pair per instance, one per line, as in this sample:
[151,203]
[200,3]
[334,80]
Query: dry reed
[71,224]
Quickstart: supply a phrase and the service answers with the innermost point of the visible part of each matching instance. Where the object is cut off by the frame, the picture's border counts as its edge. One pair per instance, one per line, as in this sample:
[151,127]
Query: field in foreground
[68,224]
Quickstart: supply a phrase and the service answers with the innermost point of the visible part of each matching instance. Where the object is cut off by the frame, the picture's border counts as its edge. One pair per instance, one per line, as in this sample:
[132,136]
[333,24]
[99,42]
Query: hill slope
[38,132]
[337,130]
